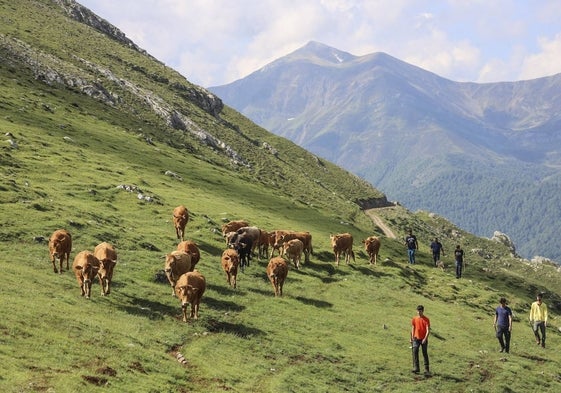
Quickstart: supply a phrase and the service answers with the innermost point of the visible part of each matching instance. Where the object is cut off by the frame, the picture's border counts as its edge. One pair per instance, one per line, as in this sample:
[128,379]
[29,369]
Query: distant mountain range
[486,156]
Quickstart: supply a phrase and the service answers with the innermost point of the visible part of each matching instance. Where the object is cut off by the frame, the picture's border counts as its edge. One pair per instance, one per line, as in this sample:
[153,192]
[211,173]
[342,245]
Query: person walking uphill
[503,325]
[412,246]
[436,248]
[538,319]
[459,257]
[420,330]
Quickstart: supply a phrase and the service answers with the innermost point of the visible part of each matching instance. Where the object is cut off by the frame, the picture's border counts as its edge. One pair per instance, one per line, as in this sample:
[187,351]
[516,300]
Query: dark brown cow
[107,257]
[277,270]
[233,226]
[245,233]
[230,261]
[85,267]
[177,263]
[372,248]
[342,243]
[180,219]
[190,247]
[243,246]
[60,246]
[292,250]
[304,237]
[189,289]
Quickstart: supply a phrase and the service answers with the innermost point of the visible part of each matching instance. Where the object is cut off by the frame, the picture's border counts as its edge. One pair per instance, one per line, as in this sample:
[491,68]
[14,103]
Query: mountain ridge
[410,132]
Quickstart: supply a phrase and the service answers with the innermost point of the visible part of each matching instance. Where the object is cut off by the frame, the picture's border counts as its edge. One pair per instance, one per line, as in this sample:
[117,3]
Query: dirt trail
[380,223]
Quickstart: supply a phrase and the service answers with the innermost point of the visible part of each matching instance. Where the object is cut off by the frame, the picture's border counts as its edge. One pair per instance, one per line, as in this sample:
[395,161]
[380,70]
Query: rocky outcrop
[197,95]
[372,203]
[503,238]
[201,97]
[86,16]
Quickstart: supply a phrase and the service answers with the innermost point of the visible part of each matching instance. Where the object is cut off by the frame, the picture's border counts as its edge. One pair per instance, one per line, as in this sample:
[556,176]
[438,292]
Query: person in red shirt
[420,330]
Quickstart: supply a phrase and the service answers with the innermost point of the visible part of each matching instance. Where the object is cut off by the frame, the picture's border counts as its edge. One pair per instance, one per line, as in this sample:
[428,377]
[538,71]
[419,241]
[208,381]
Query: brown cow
[85,267]
[342,243]
[190,247]
[372,247]
[304,237]
[292,249]
[274,241]
[189,289]
[233,226]
[264,243]
[230,262]
[277,270]
[107,257]
[180,219]
[60,245]
[177,263]
[271,240]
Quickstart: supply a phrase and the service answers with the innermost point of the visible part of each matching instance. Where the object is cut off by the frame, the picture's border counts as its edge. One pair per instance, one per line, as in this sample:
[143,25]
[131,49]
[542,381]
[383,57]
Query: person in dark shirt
[503,325]
[436,248]
[412,246]
[459,257]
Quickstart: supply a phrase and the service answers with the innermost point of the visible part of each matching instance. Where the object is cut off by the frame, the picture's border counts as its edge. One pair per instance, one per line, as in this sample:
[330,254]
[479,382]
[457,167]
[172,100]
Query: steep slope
[455,148]
[89,145]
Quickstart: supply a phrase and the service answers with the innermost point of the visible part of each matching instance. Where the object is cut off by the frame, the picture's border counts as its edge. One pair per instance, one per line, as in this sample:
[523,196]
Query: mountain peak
[321,53]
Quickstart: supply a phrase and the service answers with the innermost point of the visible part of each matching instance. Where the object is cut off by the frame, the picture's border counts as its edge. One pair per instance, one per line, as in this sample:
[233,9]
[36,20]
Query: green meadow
[336,329]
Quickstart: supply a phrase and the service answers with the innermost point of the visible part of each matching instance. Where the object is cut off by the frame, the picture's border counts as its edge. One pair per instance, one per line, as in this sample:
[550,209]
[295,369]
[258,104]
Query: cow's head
[171,261]
[231,238]
[186,293]
[279,241]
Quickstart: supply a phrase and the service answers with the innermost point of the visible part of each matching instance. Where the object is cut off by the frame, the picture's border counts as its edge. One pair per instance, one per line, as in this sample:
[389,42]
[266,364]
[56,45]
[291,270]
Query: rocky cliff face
[198,95]
[86,16]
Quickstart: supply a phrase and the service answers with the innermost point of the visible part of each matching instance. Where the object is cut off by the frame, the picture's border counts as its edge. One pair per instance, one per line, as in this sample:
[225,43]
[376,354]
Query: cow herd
[87,265]
[188,284]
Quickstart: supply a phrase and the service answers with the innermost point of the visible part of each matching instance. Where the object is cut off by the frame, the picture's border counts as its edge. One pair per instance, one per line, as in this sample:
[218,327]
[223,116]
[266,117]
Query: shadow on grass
[263,292]
[226,290]
[314,302]
[409,273]
[147,308]
[239,330]
[534,358]
[368,270]
[436,335]
[222,305]
[451,378]
[210,249]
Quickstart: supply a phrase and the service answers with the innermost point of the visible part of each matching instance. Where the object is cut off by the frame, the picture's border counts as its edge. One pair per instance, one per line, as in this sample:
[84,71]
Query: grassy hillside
[336,329]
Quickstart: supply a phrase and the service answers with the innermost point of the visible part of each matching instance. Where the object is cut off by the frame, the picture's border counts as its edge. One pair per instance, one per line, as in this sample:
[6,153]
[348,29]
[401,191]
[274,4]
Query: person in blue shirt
[436,248]
[503,325]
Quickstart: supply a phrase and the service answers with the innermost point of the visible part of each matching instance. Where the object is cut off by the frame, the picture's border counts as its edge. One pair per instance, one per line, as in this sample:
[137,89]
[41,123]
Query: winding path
[380,223]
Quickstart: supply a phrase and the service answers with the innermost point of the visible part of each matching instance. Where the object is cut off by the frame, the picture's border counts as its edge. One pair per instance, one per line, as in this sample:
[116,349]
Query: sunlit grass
[335,329]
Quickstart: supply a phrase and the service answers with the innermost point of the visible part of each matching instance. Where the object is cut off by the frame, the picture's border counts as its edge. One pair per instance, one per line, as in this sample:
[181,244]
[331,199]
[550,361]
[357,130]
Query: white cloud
[214,42]
[546,62]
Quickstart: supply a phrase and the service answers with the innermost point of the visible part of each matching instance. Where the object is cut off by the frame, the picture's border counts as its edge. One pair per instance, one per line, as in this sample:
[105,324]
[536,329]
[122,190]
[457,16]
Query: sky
[215,42]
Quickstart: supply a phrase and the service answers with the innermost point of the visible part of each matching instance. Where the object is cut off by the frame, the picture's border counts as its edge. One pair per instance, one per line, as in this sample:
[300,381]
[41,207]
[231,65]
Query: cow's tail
[353,255]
